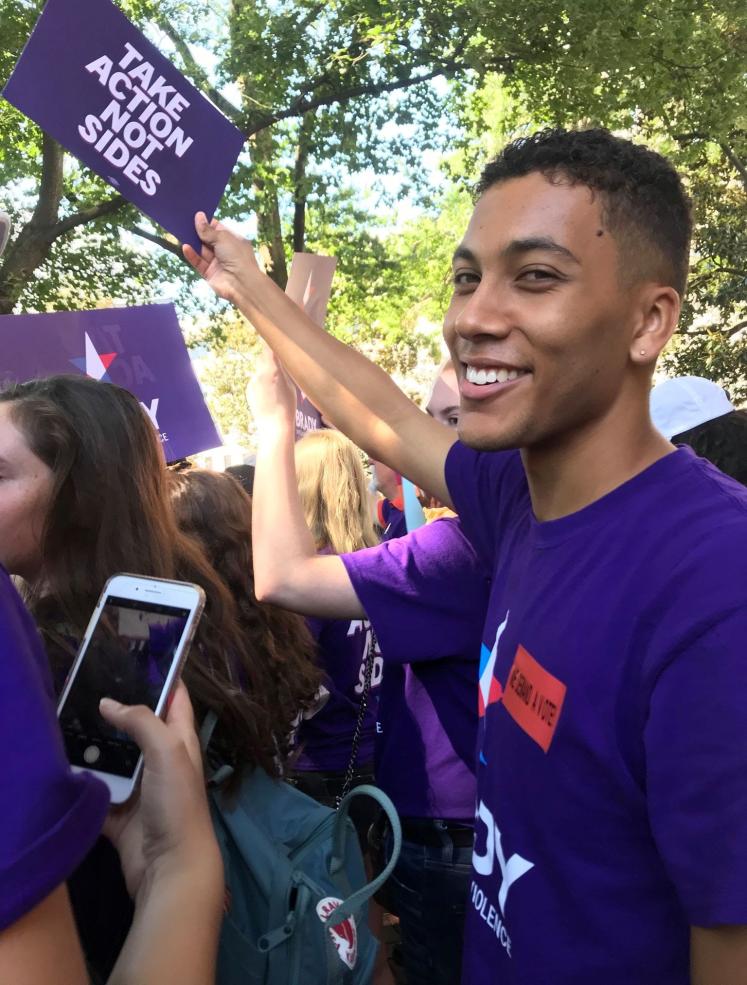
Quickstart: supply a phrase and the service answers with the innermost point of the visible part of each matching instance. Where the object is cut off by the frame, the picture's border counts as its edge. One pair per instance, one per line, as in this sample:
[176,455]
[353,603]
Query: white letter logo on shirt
[377,672]
[511,870]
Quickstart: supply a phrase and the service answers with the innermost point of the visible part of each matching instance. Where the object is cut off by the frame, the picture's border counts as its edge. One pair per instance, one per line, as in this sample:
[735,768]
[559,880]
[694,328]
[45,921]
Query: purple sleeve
[425,594]
[696,772]
[477,485]
[50,817]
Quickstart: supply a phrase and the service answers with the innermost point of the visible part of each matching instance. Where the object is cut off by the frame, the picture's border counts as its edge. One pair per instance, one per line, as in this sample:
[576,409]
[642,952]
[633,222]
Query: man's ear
[658,314]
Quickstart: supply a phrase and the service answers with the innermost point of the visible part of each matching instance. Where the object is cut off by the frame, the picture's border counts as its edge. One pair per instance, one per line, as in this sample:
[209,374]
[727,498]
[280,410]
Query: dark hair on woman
[109,512]
[214,509]
[722,441]
[643,200]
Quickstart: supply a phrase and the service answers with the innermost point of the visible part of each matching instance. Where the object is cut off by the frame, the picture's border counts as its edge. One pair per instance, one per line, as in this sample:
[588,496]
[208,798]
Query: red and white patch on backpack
[344,935]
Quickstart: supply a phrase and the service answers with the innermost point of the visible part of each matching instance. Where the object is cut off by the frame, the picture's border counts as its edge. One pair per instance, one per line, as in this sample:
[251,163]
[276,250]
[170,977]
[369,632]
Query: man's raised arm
[358,397]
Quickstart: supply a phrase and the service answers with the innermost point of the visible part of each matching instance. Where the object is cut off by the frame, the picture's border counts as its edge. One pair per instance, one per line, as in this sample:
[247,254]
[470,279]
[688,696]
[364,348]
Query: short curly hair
[644,203]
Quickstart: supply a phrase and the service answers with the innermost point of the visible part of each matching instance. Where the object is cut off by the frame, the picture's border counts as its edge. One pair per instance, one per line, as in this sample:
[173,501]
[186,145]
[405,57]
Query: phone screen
[128,658]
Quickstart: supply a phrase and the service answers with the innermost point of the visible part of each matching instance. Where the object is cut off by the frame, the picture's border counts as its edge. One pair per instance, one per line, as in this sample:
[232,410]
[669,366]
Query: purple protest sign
[141,349]
[92,81]
[309,285]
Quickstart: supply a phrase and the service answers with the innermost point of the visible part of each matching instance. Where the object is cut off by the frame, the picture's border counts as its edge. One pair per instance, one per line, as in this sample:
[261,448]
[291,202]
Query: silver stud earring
[643,352]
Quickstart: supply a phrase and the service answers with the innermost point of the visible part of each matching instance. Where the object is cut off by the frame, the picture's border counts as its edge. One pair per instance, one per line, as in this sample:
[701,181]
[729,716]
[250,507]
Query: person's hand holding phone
[165,827]
[171,861]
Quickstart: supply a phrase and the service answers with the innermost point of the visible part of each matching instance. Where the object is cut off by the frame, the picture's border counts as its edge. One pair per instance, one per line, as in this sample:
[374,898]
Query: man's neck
[584,466]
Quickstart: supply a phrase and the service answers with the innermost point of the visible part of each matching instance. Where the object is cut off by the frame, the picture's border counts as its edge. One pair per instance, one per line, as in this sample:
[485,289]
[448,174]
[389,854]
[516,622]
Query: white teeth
[484,376]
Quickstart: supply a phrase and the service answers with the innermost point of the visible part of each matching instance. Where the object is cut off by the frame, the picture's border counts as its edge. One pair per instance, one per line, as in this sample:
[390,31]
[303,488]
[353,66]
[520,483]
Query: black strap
[367,676]
[223,772]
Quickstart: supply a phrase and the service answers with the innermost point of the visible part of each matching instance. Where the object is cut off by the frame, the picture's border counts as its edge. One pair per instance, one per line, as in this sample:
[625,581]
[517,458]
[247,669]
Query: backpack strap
[206,730]
[223,772]
[337,860]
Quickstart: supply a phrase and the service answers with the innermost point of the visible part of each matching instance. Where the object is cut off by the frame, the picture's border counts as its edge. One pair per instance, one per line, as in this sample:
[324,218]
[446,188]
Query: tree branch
[197,73]
[305,103]
[310,17]
[739,166]
[688,138]
[734,329]
[728,333]
[87,215]
[167,244]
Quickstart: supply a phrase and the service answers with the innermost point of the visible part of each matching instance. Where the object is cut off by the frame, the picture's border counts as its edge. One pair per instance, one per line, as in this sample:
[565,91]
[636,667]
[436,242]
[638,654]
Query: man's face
[539,325]
[387,480]
[443,403]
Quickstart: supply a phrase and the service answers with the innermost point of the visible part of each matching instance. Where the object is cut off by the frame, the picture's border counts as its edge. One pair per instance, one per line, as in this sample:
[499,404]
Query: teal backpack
[296,889]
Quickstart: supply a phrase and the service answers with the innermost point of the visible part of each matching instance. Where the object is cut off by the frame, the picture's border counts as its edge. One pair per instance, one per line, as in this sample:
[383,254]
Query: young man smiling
[611,813]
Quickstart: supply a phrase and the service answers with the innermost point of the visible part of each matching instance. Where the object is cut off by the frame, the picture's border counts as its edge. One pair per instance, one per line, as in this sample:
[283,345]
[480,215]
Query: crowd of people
[545,678]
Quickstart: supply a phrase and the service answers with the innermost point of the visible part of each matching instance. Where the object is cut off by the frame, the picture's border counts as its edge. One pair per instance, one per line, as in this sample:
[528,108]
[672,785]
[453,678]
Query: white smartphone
[133,651]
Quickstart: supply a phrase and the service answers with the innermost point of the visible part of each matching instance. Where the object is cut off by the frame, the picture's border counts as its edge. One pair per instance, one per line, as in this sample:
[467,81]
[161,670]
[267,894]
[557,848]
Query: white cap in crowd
[685,402]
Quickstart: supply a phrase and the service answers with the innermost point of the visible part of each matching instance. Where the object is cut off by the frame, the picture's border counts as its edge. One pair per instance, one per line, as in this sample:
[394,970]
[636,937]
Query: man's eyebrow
[545,243]
[519,246]
[463,253]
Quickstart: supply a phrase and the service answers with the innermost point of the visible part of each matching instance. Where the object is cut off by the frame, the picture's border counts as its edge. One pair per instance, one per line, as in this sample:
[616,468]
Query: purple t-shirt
[612,775]
[326,739]
[426,596]
[50,817]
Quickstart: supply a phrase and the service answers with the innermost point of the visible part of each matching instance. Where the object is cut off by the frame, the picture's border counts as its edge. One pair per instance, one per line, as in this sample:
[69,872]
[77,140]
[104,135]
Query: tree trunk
[32,245]
[300,189]
[269,227]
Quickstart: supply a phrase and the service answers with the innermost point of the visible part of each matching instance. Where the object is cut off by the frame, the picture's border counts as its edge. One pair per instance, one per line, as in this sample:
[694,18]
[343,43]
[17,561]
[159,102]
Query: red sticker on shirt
[533,698]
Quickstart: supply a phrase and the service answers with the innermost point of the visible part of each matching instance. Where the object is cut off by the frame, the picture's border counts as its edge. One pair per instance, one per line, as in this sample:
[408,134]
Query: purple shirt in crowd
[49,817]
[426,596]
[612,775]
[392,519]
[326,739]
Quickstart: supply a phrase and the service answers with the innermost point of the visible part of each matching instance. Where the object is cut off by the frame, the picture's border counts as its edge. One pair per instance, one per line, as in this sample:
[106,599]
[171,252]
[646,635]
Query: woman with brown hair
[212,508]
[83,495]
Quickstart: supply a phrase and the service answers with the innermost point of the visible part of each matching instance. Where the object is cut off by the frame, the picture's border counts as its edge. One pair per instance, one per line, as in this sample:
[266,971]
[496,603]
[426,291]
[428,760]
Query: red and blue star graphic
[95,364]
[490,689]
